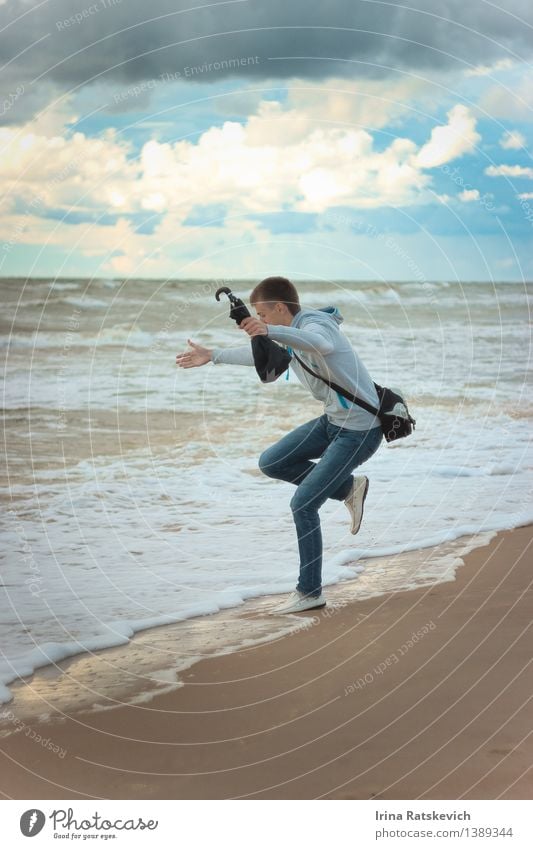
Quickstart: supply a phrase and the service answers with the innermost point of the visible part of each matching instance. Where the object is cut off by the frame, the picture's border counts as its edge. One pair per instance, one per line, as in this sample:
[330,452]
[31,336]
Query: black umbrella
[270,359]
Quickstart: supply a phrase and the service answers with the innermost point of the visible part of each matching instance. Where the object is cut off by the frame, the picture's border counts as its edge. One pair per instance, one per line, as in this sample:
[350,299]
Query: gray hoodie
[315,336]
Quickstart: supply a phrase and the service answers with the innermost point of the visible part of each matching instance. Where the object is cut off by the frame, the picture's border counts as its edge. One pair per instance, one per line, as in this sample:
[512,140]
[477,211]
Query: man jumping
[344,437]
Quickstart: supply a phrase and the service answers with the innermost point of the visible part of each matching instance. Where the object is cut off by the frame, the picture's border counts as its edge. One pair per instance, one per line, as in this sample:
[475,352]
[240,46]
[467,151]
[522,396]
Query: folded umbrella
[270,359]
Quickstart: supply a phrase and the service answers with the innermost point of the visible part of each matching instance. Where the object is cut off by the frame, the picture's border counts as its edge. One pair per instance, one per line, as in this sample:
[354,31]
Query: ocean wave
[83,302]
[86,302]
[64,286]
[125,337]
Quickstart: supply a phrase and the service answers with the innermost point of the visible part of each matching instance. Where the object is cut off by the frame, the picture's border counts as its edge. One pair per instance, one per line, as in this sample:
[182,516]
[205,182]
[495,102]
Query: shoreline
[147,665]
[421,693]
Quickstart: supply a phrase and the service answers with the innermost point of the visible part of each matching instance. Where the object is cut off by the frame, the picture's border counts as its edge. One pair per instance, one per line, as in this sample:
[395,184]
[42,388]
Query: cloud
[99,196]
[459,136]
[40,171]
[488,70]
[53,48]
[513,101]
[468,195]
[506,262]
[512,140]
[363,101]
[509,171]
[278,160]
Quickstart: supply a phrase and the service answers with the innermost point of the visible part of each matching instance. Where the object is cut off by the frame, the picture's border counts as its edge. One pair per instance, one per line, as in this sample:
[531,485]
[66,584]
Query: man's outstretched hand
[197,357]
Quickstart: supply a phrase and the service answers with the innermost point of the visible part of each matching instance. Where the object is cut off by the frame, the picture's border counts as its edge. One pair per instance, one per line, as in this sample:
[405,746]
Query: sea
[131,493]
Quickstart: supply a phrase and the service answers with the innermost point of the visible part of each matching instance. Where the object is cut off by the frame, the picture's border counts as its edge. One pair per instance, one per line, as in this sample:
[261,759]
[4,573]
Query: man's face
[273,313]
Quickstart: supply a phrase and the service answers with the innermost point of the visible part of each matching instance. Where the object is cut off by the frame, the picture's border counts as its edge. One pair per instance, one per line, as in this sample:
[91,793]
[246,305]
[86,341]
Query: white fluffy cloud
[457,137]
[469,195]
[513,101]
[509,171]
[489,70]
[362,102]
[280,159]
[40,171]
[512,140]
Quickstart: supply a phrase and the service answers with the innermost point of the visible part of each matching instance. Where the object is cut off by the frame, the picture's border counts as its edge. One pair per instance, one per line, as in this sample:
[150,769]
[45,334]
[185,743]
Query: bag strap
[353,398]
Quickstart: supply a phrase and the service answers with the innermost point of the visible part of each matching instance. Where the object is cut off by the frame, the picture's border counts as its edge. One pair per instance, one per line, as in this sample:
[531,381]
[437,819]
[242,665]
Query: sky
[357,140]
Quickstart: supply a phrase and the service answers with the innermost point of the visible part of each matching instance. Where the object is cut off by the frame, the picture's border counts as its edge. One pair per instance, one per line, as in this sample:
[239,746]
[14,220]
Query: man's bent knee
[267,465]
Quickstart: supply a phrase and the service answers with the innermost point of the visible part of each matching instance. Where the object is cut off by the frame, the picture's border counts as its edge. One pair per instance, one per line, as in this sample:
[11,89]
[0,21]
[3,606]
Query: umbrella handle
[239,310]
[223,290]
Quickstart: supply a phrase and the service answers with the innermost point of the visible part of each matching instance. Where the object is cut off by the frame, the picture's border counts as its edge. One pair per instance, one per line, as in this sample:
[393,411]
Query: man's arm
[199,356]
[315,338]
[241,356]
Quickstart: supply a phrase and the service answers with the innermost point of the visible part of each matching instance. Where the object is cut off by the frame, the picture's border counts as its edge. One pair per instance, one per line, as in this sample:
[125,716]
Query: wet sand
[424,694]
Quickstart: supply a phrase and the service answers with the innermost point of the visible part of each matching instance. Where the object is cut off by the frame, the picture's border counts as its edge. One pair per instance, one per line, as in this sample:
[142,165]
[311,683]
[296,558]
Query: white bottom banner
[357,823]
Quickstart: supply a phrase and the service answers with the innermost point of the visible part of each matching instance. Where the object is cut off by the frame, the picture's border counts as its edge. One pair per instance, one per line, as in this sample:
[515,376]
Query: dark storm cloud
[55,47]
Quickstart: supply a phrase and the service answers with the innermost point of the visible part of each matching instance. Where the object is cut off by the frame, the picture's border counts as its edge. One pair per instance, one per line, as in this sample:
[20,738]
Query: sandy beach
[422,694]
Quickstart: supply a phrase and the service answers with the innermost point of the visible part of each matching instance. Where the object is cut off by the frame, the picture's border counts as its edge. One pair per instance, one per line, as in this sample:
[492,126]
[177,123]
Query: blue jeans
[340,450]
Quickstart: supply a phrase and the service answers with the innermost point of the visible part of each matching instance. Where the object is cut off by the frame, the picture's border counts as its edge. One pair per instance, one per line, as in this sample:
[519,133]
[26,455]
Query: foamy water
[132,493]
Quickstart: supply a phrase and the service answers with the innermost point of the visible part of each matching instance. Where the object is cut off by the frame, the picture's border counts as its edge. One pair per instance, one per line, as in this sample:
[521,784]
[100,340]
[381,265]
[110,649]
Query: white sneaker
[297,601]
[355,501]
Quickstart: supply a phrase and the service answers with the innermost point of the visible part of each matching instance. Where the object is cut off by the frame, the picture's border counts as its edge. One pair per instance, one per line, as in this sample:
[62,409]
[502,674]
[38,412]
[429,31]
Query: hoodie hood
[323,315]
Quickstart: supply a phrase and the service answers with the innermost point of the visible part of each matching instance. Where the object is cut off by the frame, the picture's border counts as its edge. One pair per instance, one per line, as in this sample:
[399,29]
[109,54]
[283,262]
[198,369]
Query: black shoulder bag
[393,414]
